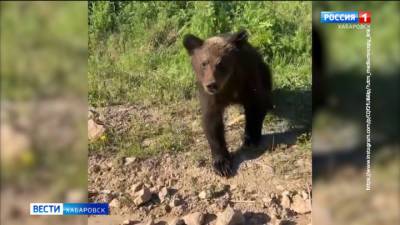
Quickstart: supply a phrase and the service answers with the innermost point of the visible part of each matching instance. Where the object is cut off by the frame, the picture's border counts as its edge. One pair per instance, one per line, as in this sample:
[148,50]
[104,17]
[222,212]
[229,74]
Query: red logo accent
[364,17]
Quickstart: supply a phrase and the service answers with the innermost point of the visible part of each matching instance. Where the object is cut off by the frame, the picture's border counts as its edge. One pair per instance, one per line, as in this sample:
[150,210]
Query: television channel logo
[69,209]
[360,17]
[46,208]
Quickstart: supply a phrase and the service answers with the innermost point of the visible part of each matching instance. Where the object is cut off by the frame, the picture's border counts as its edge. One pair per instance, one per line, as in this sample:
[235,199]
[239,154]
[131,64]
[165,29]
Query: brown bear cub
[229,71]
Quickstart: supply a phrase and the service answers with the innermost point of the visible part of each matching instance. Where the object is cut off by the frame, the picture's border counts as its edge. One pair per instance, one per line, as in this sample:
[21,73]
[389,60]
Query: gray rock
[176,201]
[164,192]
[128,222]
[137,186]
[285,201]
[286,193]
[95,130]
[129,160]
[106,192]
[115,203]
[304,195]
[148,142]
[203,195]
[142,196]
[196,218]
[300,205]
[230,217]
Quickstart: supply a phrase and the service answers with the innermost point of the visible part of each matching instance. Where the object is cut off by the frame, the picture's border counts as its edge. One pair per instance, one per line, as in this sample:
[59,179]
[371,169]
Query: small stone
[129,160]
[196,218]
[286,193]
[230,217]
[109,166]
[142,196]
[176,221]
[196,126]
[304,195]
[164,192]
[204,195]
[128,222]
[300,205]
[175,202]
[115,203]
[268,201]
[137,186]
[153,189]
[95,130]
[300,162]
[147,142]
[285,202]
[106,192]
[233,187]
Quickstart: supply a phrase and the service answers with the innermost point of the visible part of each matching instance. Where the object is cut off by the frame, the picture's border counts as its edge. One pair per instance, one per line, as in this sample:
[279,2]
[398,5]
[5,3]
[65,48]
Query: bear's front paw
[223,166]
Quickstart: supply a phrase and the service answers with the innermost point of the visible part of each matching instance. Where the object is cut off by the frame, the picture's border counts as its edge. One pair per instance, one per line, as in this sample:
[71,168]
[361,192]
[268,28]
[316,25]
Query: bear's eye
[220,66]
[203,65]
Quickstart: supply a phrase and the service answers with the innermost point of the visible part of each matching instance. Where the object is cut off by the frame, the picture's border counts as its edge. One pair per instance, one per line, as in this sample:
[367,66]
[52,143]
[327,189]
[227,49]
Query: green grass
[136,56]
[136,51]
[133,143]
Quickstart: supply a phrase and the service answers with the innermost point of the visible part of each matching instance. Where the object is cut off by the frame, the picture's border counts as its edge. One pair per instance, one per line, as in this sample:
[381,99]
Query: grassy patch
[144,131]
[136,57]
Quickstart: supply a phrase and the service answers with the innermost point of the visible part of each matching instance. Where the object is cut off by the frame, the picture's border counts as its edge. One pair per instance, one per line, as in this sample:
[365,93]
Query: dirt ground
[272,184]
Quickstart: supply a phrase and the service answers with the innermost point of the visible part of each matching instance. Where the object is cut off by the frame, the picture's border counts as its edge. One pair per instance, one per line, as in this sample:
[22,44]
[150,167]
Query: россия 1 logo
[345,17]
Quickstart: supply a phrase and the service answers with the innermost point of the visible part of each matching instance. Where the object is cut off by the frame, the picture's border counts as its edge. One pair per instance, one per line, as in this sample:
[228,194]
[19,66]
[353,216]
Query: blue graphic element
[339,17]
[85,209]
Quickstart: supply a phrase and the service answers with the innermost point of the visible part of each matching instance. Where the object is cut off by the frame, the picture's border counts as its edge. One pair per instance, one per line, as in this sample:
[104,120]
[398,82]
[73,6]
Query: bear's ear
[191,42]
[239,38]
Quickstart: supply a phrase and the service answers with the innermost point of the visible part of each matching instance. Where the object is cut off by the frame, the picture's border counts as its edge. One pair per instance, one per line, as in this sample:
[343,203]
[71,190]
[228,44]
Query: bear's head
[214,59]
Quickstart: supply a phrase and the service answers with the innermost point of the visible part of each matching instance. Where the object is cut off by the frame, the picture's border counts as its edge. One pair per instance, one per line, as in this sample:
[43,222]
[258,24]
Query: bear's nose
[212,87]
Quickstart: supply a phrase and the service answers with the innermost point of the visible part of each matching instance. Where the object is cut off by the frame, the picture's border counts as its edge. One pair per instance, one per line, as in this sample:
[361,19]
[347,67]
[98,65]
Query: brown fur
[229,71]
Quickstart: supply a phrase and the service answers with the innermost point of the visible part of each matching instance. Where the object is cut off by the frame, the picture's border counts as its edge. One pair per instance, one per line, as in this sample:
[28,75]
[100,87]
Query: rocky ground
[272,184]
